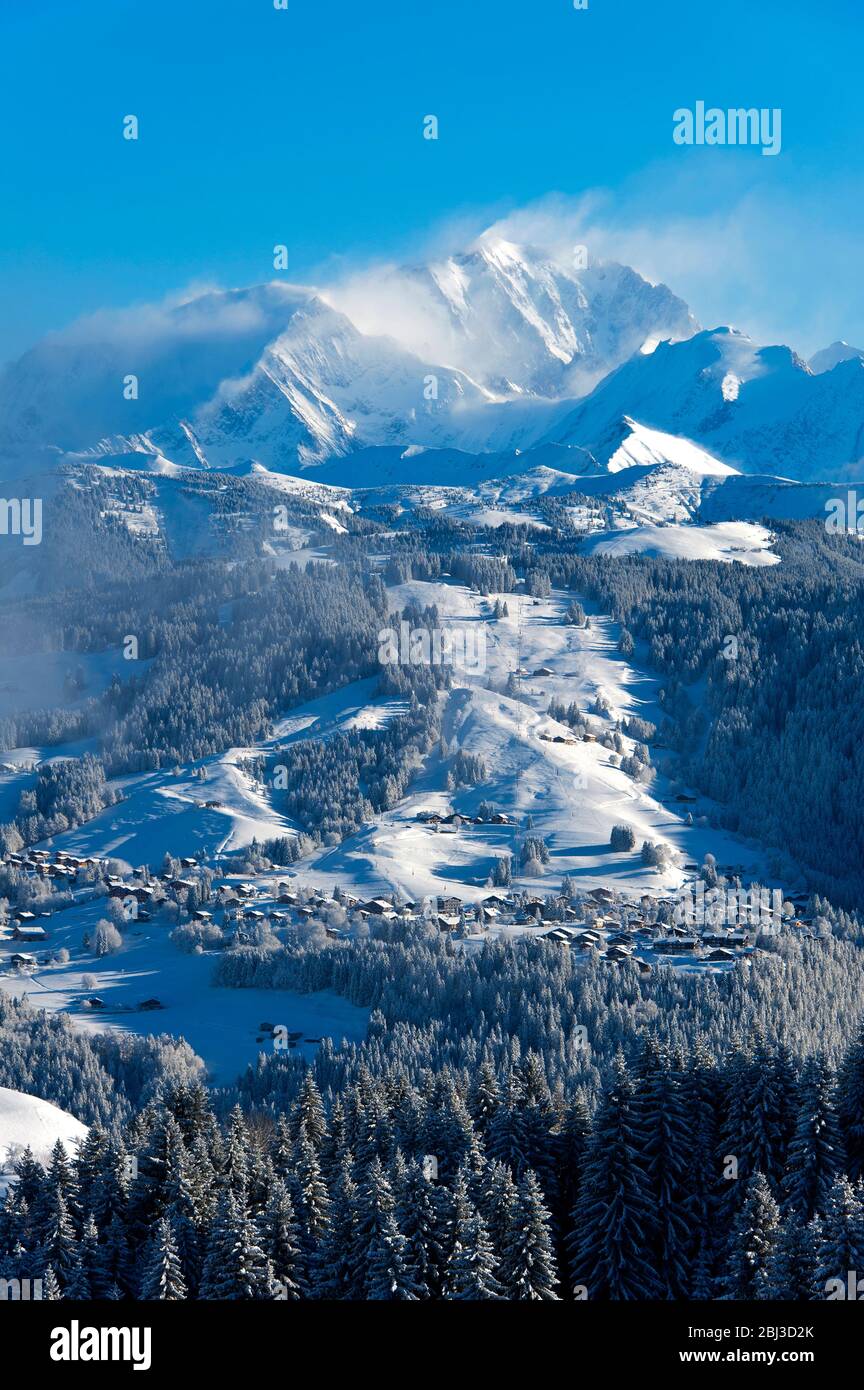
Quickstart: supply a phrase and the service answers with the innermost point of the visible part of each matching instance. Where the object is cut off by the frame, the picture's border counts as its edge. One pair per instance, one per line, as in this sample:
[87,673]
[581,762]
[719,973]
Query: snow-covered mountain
[826,358]
[279,375]
[484,355]
[760,409]
[524,323]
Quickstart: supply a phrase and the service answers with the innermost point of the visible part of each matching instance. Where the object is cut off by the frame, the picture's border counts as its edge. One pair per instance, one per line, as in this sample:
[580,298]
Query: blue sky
[304,126]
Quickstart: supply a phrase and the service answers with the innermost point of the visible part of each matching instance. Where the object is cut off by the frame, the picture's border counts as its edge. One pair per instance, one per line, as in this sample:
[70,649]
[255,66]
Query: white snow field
[27,1120]
[725,540]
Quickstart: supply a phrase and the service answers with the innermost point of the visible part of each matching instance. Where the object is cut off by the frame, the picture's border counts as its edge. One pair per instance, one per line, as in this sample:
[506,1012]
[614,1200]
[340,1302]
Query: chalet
[721,954]
[29,931]
[20,960]
[251,914]
[95,1002]
[189,863]
[618,952]
[199,916]
[141,892]
[62,871]
[601,895]
[558,936]
[542,671]
[22,915]
[448,923]
[379,907]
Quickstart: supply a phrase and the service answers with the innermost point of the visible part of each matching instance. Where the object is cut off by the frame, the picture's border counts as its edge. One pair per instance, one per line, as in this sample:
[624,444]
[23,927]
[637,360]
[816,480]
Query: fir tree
[527,1270]
[815,1152]
[613,1220]
[163,1273]
[752,1240]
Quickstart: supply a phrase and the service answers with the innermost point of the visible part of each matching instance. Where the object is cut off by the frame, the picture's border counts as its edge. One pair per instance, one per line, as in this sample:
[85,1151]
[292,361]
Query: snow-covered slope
[758,409]
[27,1120]
[727,541]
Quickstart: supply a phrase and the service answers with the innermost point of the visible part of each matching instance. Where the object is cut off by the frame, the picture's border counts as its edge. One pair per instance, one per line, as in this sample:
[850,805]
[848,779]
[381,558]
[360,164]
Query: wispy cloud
[741,248]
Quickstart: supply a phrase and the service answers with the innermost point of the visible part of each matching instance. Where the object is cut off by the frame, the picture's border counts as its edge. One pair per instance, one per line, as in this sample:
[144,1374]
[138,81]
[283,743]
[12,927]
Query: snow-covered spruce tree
[752,1240]
[184,1215]
[308,1118]
[235,1266]
[527,1269]
[418,1217]
[667,1153]
[850,1105]
[282,1244]
[59,1244]
[163,1276]
[380,1243]
[471,1263]
[613,1220]
[815,1154]
[337,1267]
[841,1250]
[309,1194]
[789,1274]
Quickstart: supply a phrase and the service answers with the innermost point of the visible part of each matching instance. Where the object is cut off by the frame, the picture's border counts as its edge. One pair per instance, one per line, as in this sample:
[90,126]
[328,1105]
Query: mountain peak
[826,359]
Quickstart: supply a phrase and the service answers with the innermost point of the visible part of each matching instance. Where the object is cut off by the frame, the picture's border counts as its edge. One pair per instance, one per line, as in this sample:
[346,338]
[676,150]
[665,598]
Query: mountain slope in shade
[759,409]
[321,390]
[68,391]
